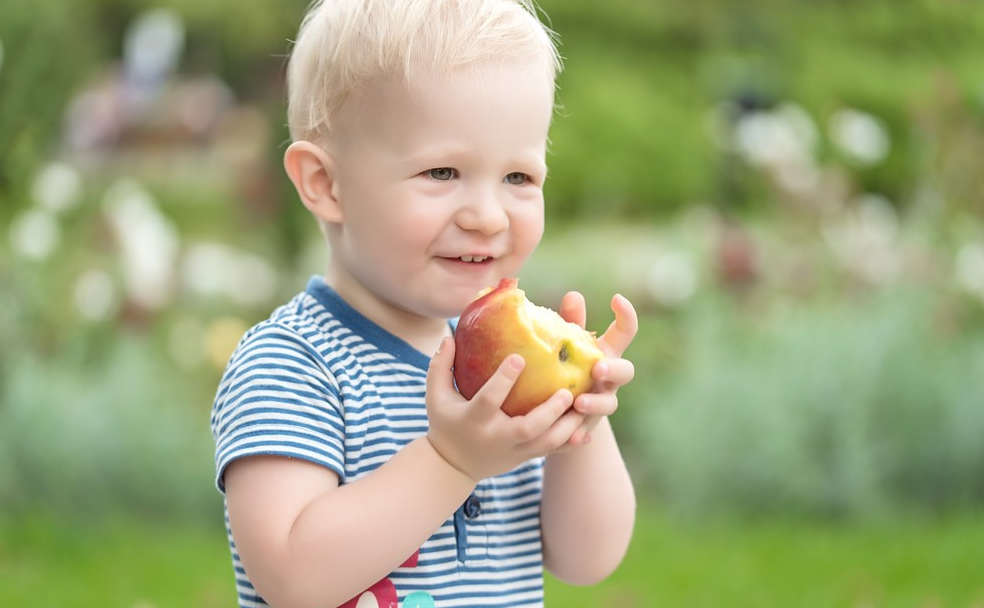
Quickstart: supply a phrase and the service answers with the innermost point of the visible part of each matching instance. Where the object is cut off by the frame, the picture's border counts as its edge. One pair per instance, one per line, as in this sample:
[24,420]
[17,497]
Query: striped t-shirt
[319,381]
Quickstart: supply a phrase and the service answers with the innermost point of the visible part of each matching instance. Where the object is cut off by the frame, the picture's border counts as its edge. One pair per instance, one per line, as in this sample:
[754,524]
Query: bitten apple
[500,322]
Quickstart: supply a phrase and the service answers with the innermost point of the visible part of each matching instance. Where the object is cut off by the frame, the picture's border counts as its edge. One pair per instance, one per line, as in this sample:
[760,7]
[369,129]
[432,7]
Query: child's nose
[483,212]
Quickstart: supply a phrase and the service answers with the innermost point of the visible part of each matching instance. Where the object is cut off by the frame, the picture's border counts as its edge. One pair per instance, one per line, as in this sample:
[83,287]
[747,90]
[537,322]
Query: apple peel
[502,321]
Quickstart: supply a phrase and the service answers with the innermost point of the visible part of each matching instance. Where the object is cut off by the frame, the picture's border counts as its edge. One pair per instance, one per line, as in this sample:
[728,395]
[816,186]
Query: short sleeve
[277,397]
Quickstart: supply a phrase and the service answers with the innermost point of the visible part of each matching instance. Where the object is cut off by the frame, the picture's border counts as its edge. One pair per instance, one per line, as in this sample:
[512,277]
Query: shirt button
[473,507]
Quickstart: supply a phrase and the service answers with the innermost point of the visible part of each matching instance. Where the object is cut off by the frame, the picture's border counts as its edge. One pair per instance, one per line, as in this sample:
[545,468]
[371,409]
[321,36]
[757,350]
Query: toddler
[353,472]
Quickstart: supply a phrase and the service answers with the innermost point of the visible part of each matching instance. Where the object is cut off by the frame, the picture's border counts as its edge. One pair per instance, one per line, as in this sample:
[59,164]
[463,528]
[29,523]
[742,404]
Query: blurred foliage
[810,311]
[36,83]
[845,410]
[813,389]
[637,145]
[94,420]
[94,437]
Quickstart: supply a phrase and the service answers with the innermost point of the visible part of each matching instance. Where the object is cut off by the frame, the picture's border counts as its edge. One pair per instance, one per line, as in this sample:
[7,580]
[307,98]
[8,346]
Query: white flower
[783,141]
[57,187]
[860,135]
[35,234]
[867,241]
[148,242]
[672,278]
[786,134]
[213,269]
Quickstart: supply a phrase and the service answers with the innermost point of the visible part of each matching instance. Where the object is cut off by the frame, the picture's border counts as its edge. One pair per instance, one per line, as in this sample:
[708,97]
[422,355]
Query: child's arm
[307,541]
[588,509]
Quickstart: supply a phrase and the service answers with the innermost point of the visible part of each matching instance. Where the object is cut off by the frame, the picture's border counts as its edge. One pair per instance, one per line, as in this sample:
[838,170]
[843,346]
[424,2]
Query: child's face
[440,187]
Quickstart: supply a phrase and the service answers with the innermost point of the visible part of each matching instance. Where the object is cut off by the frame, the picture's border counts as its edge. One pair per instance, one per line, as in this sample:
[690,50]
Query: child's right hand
[475,436]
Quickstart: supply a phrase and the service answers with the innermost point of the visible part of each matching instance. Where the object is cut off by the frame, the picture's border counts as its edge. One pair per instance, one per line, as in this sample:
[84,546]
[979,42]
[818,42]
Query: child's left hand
[610,373]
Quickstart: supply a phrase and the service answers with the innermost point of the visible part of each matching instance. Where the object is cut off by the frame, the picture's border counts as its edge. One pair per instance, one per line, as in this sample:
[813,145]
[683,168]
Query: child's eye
[516,178]
[442,174]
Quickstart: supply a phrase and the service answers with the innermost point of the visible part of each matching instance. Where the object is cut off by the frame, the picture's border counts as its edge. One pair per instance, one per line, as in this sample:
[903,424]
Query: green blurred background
[790,192]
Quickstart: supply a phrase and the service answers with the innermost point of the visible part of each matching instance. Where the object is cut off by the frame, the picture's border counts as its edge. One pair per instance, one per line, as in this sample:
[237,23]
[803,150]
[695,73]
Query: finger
[581,436]
[573,308]
[538,420]
[559,434]
[495,390]
[612,372]
[597,404]
[623,329]
[440,378]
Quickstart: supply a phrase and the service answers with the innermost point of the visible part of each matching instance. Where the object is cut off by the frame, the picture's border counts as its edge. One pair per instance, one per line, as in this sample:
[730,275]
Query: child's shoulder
[302,320]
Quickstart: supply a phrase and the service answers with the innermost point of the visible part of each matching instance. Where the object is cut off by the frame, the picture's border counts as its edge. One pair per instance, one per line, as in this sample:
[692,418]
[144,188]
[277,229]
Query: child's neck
[423,333]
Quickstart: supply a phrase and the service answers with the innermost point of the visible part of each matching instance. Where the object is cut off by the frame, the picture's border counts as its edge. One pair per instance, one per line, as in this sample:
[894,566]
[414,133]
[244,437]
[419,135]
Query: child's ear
[312,170]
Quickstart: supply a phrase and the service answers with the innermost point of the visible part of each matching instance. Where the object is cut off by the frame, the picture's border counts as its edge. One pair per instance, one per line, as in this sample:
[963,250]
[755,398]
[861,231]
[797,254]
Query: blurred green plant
[36,83]
[642,79]
[852,408]
[89,439]
[637,95]
[794,391]
[103,425]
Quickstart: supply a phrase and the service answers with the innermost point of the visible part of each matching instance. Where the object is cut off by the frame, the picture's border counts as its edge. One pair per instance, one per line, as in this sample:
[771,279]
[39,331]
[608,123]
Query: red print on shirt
[383,593]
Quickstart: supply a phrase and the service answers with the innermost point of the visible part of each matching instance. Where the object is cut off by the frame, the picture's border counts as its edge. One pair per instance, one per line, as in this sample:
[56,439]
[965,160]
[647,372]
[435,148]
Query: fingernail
[516,362]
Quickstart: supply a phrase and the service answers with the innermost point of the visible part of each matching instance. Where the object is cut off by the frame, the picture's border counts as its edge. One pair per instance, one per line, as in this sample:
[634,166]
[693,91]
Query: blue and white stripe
[319,381]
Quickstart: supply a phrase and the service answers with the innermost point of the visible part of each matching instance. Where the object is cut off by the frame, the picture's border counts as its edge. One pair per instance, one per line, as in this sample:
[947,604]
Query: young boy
[354,474]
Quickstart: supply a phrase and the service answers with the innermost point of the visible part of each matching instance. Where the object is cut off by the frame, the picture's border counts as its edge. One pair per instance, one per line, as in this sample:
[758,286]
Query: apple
[500,322]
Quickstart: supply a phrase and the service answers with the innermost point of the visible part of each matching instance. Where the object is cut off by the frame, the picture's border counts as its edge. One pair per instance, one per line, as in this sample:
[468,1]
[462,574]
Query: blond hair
[345,44]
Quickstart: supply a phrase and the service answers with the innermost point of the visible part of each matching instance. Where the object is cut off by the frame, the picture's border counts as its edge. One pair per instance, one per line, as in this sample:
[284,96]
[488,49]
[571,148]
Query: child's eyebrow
[531,161]
[437,155]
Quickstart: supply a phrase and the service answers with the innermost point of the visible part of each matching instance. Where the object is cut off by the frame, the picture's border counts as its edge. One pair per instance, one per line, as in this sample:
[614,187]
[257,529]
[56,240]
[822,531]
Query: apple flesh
[500,322]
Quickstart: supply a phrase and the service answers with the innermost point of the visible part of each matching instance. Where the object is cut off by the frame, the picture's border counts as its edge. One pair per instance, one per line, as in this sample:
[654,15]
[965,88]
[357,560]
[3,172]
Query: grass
[917,563]
[765,564]
[124,562]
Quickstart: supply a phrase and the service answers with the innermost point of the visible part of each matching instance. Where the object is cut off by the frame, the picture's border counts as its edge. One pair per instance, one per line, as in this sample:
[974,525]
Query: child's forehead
[418,83]
[464,105]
